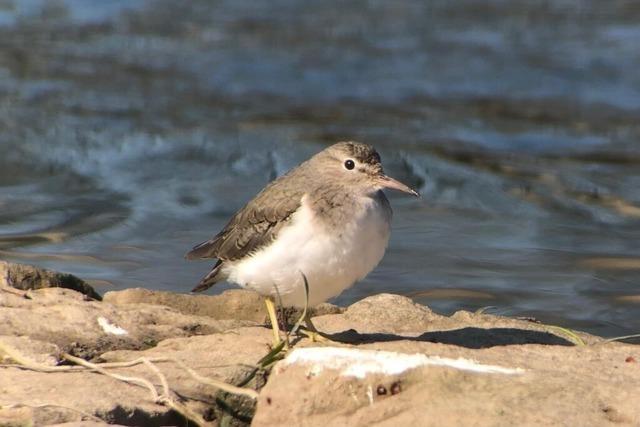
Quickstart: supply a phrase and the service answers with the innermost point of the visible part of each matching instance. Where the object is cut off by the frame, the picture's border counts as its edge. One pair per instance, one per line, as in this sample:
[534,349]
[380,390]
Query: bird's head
[357,166]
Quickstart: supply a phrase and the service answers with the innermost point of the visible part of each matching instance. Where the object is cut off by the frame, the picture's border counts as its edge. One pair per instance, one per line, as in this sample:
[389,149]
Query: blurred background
[131,130]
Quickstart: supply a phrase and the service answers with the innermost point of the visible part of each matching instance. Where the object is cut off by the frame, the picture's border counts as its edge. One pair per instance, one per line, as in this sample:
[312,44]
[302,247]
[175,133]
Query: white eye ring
[349,164]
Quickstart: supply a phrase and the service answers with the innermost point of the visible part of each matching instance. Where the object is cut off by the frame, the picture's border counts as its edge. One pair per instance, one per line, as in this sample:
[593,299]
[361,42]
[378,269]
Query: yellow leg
[311,331]
[273,317]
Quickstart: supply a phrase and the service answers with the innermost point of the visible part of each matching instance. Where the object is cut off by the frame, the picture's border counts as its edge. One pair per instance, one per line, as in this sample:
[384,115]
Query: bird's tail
[210,279]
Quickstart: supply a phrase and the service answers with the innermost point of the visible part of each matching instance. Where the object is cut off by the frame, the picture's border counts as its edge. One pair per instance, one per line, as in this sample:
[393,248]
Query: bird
[309,234]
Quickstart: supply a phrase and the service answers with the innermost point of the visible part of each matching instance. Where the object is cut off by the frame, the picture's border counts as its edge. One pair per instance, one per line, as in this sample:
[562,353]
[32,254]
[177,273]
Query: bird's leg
[303,317]
[273,317]
[310,329]
[311,332]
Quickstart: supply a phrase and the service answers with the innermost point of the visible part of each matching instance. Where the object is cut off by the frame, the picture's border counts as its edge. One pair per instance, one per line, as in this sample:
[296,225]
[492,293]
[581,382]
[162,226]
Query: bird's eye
[349,164]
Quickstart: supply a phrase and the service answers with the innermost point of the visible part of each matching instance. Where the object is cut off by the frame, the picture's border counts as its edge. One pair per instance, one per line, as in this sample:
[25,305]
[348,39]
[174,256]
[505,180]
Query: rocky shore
[149,358]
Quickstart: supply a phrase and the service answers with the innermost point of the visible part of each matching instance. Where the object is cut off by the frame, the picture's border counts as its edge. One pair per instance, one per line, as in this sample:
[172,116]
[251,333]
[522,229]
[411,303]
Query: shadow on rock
[465,337]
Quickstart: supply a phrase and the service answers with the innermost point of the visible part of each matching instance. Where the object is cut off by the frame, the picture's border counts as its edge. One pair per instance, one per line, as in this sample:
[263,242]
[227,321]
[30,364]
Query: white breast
[332,260]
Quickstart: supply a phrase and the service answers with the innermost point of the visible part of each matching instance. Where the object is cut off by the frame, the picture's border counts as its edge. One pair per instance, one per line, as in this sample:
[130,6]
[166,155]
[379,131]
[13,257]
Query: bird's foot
[277,347]
[283,344]
[316,336]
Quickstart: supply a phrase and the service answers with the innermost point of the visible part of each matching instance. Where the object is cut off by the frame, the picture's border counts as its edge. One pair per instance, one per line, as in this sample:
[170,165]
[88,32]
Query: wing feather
[255,225]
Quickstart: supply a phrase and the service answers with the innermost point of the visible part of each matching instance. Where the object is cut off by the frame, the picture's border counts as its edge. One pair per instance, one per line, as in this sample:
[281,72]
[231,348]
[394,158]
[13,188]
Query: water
[131,130]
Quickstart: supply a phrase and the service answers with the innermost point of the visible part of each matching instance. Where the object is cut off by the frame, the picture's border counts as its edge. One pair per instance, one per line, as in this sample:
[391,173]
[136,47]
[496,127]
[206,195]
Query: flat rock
[435,370]
[224,356]
[586,386]
[237,304]
[41,352]
[88,328]
[36,326]
[231,304]
[387,317]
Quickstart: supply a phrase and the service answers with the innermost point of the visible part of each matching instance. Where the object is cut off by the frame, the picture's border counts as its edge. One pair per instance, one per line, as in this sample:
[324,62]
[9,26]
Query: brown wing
[255,225]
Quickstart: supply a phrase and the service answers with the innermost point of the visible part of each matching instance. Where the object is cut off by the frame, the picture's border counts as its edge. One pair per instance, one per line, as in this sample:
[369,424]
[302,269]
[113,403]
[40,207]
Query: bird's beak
[388,182]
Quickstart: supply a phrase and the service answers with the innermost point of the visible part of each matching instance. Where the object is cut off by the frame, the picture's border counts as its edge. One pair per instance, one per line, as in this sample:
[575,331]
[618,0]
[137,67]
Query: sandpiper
[325,221]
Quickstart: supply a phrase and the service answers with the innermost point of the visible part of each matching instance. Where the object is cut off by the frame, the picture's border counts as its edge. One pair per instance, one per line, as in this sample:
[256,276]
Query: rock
[27,277]
[398,364]
[68,396]
[16,417]
[231,304]
[224,356]
[38,328]
[87,328]
[227,357]
[41,352]
[461,375]
[390,313]
[559,386]
[387,317]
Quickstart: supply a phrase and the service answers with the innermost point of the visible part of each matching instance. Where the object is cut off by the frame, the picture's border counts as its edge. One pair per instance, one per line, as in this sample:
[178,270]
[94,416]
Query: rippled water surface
[131,130]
